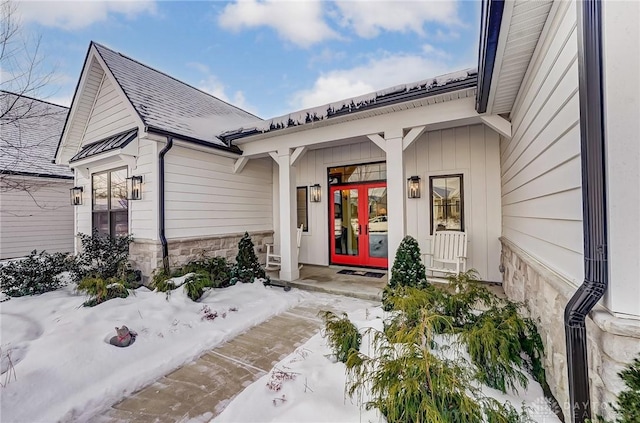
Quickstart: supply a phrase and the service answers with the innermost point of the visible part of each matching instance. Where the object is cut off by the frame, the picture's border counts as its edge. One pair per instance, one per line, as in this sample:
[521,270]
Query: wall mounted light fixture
[413,187]
[315,193]
[76,196]
[134,188]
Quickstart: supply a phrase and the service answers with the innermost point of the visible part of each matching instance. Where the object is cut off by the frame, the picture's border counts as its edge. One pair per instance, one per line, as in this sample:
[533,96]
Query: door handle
[366,229]
[359,229]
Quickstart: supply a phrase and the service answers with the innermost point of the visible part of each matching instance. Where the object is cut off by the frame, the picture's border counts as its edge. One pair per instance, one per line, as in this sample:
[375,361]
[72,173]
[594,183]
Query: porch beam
[498,124]
[450,113]
[240,164]
[379,141]
[413,135]
[297,154]
[287,198]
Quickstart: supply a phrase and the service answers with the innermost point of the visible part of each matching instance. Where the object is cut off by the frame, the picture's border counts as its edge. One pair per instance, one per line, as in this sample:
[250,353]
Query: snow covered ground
[66,370]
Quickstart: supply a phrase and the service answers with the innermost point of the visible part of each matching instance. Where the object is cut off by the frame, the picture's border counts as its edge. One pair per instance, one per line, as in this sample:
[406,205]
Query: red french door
[358,224]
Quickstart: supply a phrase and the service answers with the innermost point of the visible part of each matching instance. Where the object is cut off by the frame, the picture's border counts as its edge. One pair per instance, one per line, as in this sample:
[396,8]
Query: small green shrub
[407,270]
[208,273]
[628,403]
[342,335]
[247,267]
[100,290]
[102,256]
[35,274]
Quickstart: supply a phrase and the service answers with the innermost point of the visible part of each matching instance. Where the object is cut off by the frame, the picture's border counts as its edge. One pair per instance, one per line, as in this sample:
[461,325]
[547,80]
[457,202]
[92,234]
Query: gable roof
[31,129]
[455,81]
[167,105]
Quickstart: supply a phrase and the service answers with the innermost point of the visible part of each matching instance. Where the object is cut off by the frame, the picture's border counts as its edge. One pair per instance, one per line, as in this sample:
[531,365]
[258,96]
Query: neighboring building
[495,153]
[35,211]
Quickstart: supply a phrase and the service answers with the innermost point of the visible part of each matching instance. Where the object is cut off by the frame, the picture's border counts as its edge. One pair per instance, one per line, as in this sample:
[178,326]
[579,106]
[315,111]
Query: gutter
[161,214]
[594,206]
[491,16]
[231,148]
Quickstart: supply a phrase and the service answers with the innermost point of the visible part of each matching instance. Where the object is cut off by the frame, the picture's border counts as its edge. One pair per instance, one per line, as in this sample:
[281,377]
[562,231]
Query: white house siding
[472,151]
[205,198]
[110,115]
[40,219]
[540,165]
[312,169]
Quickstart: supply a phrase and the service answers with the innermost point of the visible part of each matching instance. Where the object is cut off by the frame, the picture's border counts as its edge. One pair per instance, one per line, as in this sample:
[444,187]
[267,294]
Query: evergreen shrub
[35,274]
[103,257]
[247,268]
[342,335]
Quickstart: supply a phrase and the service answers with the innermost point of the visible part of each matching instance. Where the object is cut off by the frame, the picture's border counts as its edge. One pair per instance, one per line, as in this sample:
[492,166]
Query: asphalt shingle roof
[29,134]
[167,104]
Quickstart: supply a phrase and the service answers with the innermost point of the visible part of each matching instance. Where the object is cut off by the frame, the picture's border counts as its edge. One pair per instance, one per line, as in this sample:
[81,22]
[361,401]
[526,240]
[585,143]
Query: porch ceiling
[522,24]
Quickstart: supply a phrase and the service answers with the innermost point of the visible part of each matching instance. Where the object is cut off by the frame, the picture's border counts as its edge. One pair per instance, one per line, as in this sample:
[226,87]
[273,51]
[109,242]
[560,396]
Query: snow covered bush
[201,274]
[628,404]
[342,335]
[35,274]
[100,290]
[103,256]
[247,268]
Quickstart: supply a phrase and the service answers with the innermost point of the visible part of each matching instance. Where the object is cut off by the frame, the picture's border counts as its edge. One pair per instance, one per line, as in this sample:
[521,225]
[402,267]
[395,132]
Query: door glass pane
[377,202]
[119,189]
[346,224]
[99,194]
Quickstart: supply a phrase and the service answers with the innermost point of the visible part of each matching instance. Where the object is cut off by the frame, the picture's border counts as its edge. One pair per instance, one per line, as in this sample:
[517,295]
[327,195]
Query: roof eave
[492,12]
[230,149]
[383,102]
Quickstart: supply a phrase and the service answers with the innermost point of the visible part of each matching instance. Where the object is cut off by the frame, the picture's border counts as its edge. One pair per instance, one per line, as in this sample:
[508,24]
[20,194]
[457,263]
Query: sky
[269,57]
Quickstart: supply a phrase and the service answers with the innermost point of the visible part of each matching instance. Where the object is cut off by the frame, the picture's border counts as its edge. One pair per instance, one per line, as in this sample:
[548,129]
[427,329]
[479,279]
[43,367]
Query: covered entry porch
[434,137]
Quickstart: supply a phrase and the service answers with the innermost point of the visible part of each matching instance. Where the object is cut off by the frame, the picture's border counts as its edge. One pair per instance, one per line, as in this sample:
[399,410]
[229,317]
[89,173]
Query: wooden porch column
[287,193]
[396,199]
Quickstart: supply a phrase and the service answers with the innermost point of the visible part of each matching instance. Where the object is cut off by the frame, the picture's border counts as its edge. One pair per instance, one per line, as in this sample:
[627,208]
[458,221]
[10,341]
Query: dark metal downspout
[161,220]
[593,206]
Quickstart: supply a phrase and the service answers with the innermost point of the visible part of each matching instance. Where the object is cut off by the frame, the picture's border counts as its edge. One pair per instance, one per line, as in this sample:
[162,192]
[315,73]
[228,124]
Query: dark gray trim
[161,212]
[119,140]
[231,149]
[594,206]
[40,175]
[491,21]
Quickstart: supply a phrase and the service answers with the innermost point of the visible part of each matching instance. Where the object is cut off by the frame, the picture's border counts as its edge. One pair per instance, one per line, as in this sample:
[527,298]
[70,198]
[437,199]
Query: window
[302,211]
[110,214]
[447,201]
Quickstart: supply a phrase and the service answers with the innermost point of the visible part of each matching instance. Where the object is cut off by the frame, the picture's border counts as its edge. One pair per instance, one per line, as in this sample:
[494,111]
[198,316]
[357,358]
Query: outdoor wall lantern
[413,187]
[76,196]
[316,193]
[134,188]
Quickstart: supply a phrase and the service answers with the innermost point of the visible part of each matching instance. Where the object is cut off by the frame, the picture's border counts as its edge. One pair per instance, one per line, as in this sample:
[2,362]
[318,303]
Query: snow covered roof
[399,93]
[29,136]
[111,143]
[166,104]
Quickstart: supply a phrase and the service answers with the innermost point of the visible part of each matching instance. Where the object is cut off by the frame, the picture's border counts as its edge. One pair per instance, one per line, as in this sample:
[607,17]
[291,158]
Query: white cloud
[72,15]
[376,74]
[367,18]
[299,22]
[212,85]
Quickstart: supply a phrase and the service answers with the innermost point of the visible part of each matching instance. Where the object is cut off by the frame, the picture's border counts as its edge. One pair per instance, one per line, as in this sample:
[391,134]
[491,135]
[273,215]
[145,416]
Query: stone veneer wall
[612,342]
[146,255]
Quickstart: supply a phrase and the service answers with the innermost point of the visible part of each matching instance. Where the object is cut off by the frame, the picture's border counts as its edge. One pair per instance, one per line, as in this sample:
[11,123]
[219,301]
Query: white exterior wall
[540,165]
[40,219]
[472,151]
[205,198]
[621,48]
[110,114]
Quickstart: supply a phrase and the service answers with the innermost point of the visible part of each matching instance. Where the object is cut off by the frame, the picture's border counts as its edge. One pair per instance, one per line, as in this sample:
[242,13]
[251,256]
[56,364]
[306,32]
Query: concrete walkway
[207,385]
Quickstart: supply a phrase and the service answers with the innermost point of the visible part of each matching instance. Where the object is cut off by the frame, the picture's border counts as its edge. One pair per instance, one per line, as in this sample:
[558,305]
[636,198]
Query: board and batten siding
[472,151]
[110,114]
[205,198]
[41,219]
[540,165]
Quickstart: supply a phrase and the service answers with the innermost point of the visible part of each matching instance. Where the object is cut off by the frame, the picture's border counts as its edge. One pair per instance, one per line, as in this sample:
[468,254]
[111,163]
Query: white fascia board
[434,114]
